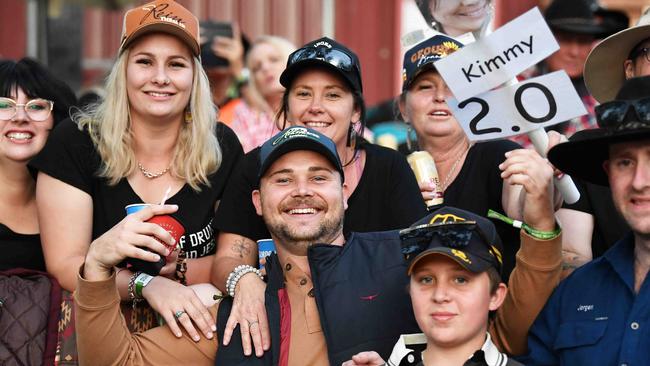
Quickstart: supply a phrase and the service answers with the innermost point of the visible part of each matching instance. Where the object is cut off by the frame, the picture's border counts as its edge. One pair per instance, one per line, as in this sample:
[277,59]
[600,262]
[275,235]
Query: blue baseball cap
[298,138]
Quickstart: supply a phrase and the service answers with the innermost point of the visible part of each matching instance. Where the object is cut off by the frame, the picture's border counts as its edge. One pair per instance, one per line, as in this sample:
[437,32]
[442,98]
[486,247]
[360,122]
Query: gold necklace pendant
[151,175]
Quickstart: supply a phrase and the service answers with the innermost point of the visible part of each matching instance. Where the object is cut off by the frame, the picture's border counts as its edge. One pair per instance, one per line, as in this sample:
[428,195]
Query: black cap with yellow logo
[469,239]
[423,55]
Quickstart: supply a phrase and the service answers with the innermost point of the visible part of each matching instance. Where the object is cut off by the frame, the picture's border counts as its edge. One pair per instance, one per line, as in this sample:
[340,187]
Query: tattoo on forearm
[242,247]
[571,261]
[569,266]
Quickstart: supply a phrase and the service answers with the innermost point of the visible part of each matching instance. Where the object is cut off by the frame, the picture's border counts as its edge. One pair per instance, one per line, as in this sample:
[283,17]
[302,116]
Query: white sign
[499,57]
[539,102]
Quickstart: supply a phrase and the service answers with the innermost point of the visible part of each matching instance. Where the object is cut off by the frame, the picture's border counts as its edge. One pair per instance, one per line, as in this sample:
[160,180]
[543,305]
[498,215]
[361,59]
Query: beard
[298,239]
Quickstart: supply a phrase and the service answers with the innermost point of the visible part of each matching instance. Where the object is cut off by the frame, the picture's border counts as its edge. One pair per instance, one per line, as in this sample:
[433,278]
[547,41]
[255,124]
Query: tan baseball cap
[604,72]
[165,16]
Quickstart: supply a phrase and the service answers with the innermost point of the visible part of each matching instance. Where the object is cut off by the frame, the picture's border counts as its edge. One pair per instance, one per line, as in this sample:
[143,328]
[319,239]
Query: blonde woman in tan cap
[153,137]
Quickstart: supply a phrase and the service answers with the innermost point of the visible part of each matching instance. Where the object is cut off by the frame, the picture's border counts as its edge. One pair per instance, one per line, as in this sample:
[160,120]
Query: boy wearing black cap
[454,266]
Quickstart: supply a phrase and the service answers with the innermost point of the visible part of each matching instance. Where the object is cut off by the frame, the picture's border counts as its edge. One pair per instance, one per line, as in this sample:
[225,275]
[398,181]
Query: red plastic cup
[172,226]
[167,222]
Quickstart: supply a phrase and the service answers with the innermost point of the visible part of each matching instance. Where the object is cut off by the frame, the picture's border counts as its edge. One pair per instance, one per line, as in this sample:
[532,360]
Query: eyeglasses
[612,114]
[417,239]
[37,109]
[334,57]
[636,53]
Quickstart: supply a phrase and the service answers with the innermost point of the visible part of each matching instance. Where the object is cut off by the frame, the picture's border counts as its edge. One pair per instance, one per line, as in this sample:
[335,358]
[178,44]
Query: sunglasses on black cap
[612,114]
[455,235]
[334,57]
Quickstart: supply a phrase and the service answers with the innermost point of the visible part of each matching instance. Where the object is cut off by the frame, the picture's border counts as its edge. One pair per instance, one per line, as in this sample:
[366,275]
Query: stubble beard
[298,241]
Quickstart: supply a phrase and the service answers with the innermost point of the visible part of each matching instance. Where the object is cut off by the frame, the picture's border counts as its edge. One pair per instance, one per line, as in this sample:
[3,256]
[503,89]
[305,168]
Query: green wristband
[537,234]
[141,282]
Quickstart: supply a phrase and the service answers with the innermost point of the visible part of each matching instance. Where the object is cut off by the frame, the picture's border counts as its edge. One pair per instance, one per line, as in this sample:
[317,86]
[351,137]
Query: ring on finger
[179,313]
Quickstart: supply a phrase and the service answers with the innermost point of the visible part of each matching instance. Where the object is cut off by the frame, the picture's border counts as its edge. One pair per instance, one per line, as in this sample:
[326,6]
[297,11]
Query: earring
[352,135]
[409,140]
[188,117]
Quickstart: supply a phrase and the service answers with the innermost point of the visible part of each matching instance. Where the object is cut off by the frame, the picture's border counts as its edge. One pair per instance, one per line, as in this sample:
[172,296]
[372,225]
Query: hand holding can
[425,172]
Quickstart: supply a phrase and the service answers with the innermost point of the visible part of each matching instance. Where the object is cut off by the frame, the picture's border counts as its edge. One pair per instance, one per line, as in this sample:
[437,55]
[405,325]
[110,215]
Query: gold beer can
[425,172]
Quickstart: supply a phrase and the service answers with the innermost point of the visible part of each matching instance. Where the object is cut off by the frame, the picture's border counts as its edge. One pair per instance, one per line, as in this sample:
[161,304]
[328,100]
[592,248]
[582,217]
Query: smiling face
[425,107]
[266,64]
[628,169]
[458,17]
[451,304]
[159,75]
[21,137]
[301,200]
[321,100]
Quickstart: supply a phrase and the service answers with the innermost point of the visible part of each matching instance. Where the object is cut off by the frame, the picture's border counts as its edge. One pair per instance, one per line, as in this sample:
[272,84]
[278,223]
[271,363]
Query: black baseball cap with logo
[298,138]
[423,55]
[328,53]
[469,239]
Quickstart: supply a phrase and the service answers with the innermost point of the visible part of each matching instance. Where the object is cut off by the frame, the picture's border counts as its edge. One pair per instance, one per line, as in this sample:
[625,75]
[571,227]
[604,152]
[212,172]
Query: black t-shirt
[478,187]
[70,156]
[609,226]
[387,197]
[20,250]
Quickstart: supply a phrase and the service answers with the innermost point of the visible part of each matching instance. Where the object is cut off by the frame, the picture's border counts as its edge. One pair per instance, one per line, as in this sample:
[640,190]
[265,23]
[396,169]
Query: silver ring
[179,313]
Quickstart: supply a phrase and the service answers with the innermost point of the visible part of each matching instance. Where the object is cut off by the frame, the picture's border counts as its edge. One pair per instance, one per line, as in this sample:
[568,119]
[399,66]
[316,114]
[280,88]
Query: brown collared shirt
[306,344]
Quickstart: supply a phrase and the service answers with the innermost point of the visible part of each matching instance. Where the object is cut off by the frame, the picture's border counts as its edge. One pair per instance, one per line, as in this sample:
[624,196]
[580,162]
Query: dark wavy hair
[36,82]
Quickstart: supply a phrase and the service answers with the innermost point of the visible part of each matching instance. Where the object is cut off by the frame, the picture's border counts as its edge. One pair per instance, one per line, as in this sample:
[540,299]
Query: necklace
[151,175]
[446,183]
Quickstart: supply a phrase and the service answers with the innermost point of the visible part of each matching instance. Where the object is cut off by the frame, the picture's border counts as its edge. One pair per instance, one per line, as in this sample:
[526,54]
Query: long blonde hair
[284,48]
[197,153]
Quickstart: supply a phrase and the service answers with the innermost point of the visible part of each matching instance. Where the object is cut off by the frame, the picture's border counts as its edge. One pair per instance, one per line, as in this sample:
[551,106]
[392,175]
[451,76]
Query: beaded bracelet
[537,234]
[237,274]
[131,289]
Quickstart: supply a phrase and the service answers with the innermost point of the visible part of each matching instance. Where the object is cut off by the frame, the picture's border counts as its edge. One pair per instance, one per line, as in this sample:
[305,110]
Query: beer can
[265,248]
[425,172]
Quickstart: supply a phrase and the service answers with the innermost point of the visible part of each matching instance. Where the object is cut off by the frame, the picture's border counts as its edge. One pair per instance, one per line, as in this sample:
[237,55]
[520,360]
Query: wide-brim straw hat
[604,72]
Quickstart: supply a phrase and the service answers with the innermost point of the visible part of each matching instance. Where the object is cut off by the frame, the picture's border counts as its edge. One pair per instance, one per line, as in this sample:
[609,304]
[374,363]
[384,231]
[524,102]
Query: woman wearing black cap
[470,174]
[323,92]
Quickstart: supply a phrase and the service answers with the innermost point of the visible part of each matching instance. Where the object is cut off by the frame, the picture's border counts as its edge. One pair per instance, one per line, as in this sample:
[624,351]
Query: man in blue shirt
[600,315]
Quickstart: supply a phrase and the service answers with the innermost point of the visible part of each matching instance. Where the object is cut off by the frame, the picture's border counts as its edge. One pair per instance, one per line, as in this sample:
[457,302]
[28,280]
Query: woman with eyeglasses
[323,92]
[32,102]
[153,138]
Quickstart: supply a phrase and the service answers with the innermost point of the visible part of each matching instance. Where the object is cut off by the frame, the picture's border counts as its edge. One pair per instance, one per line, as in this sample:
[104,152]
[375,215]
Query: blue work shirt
[594,317]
